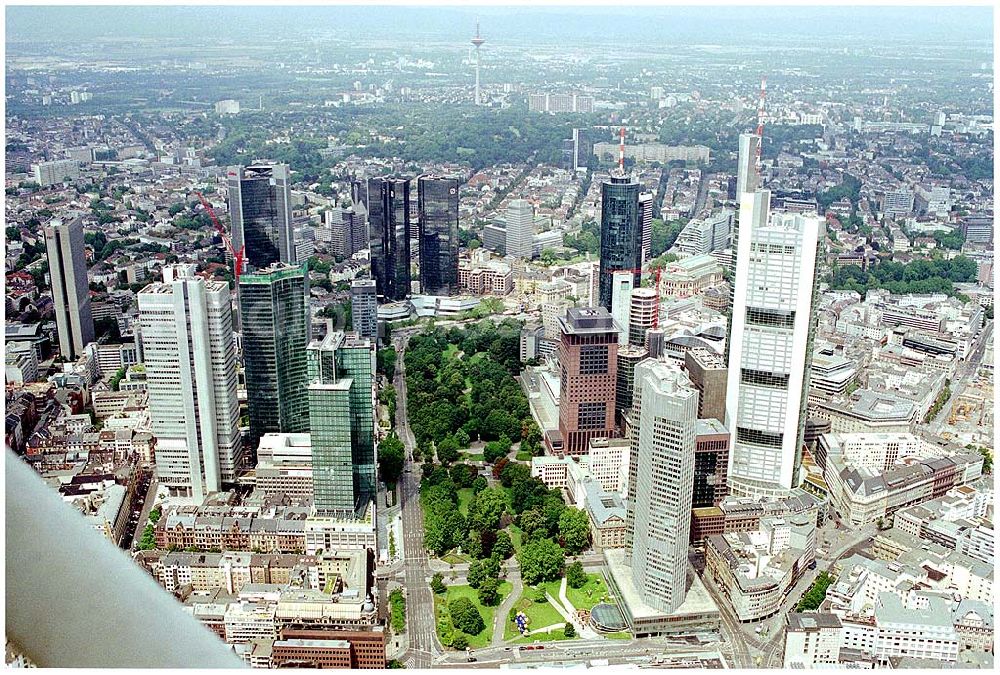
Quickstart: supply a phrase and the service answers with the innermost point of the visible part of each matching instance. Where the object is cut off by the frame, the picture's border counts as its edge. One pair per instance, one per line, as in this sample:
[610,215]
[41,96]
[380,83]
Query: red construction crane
[760,124]
[237,255]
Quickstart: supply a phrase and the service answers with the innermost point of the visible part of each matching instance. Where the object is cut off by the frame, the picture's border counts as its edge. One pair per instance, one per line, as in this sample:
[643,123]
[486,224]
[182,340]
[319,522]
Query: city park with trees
[482,507]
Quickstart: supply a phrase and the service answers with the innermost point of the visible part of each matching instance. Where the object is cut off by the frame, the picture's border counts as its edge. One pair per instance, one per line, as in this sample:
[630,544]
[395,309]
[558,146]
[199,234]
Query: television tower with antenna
[477,42]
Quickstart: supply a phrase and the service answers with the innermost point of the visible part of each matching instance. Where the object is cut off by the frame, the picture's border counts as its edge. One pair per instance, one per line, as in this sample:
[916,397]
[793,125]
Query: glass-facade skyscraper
[389,229]
[260,210]
[621,232]
[275,318]
[342,423]
[437,202]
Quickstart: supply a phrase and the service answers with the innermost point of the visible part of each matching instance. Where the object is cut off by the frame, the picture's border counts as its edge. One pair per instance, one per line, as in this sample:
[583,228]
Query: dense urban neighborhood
[474,347]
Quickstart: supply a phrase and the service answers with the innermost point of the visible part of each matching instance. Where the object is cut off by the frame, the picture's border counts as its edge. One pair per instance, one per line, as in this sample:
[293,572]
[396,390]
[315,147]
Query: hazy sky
[916,25]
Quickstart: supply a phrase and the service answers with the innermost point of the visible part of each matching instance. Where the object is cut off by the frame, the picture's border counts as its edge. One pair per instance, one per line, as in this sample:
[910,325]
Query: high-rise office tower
[646,223]
[437,201]
[621,235]
[520,228]
[389,228]
[708,374]
[770,346]
[330,432]
[583,149]
[342,422]
[747,182]
[711,461]
[364,308]
[588,361]
[190,359]
[658,511]
[348,231]
[622,283]
[628,358]
[641,315]
[274,314]
[70,288]
[656,342]
[746,171]
[260,211]
[359,198]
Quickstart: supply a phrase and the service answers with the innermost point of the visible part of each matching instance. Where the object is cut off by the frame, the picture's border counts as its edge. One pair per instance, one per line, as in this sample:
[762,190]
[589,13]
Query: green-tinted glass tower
[342,365]
[330,422]
[274,313]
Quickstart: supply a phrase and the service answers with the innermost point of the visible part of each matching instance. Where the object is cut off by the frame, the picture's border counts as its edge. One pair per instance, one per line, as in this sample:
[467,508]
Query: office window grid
[592,415]
[762,378]
[758,437]
[594,360]
[757,316]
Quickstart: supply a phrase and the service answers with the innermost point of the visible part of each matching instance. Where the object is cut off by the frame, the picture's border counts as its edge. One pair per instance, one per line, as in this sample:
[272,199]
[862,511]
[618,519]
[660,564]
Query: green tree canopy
[486,509]
[391,457]
[574,530]
[489,592]
[503,548]
[541,560]
[575,576]
[465,616]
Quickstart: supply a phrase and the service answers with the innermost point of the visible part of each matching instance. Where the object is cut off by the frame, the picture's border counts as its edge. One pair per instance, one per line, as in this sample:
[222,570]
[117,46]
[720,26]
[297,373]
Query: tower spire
[477,41]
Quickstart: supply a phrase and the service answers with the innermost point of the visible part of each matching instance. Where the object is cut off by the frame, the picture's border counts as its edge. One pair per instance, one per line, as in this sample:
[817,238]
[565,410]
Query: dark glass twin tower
[390,227]
[260,213]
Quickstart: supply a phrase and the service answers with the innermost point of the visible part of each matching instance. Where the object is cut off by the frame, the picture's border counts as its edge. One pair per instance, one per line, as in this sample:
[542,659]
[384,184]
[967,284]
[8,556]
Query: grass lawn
[516,535]
[464,497]
[449,353]
[444,626]
[454,558]
[472,456]
[552,587]
[556,634]
[540,615]
[618,636]
[579,597]
[523,456]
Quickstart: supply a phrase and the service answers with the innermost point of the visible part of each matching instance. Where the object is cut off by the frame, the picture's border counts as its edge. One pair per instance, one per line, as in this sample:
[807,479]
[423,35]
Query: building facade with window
[588,362]
[275,318]
[772,331]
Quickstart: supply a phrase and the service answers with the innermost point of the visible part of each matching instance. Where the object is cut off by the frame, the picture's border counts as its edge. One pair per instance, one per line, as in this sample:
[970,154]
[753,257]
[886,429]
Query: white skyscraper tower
[746,173]
[770,346]
[187,334]
[661,482]
[477,42]
[622,282]
[520,228]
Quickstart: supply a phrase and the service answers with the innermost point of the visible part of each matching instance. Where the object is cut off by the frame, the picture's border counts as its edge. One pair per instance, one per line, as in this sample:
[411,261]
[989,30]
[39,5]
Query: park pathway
[500,617]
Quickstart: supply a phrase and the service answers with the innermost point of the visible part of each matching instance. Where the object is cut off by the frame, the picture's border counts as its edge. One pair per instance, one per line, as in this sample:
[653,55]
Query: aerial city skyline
[493,340]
